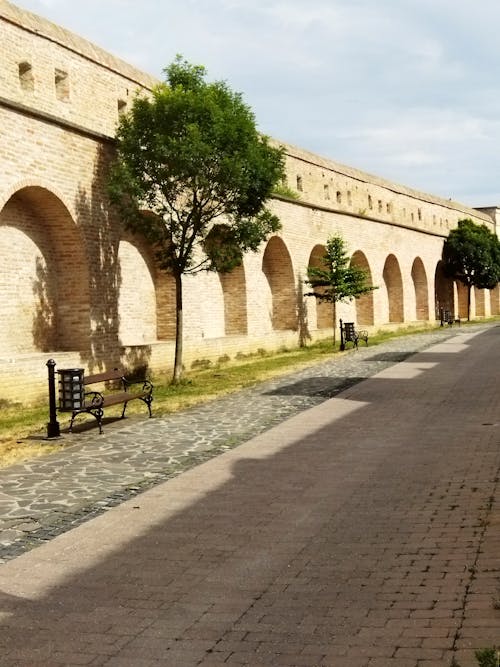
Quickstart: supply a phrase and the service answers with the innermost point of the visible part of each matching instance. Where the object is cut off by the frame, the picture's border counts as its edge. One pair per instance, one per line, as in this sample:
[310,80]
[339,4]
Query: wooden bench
[96,401]
[349,334]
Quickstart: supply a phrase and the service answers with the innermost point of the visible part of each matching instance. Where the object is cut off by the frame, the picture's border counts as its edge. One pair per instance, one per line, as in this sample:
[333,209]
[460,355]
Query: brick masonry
[74,286]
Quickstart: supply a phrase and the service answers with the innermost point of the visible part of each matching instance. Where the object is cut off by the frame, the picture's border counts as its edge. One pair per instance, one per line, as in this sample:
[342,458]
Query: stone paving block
[393,662]
[216,659]
[73,658]
[137,662]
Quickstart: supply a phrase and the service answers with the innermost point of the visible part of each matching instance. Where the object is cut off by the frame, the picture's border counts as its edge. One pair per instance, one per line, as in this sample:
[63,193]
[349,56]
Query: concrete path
[361,532]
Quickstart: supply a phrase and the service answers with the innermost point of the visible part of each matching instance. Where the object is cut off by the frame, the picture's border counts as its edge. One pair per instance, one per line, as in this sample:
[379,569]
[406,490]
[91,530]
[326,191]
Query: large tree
[337,279]
[471,254]
[190,155]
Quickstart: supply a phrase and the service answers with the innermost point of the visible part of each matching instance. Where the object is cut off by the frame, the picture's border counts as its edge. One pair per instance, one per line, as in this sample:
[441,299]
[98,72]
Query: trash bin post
[342,341]
[53,429]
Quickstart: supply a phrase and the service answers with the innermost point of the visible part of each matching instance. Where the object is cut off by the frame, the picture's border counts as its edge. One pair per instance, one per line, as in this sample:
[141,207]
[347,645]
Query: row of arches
[277,290]
[280,290]
[392,290]
[65,284]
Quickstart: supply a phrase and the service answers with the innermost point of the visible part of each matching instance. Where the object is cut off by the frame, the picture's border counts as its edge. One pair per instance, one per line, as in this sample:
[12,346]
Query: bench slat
[124,397]
[114,374]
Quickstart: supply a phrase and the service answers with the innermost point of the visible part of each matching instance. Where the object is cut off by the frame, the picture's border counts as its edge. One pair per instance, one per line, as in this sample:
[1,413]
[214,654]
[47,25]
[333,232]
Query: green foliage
[471,254]
[191,154]
[222,248]
[282,190]
[337,280]
[488,657]
[189,160]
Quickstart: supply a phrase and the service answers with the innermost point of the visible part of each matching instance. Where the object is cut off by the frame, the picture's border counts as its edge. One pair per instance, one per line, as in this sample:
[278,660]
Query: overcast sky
[408,90]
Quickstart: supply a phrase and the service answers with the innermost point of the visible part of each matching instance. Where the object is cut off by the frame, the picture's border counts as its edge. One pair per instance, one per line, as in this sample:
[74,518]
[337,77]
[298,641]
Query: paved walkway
[360,531]
[44,498]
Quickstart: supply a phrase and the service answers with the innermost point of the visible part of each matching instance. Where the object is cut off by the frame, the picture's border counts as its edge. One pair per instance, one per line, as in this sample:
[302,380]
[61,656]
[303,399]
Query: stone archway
[235,301]
[364,303]
[419,278]
[462,299]
[219,245]
[480,301]
[277,267]
[393,282]
[44,285]
[324,310]
[495,301]
[443,291]
[136,294]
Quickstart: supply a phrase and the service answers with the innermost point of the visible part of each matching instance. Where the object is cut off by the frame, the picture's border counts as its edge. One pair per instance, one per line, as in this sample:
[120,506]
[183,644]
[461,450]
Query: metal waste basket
[71,389]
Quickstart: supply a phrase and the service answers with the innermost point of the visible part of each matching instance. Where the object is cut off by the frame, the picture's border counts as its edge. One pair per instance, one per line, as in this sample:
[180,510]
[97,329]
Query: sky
[408,90]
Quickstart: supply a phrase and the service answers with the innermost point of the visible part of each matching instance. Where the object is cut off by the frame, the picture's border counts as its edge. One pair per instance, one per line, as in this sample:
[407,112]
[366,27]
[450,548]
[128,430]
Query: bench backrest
[106,376]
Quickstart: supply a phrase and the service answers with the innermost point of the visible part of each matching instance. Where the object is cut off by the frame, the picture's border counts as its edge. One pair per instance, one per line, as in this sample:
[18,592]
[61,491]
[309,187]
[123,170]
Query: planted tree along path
[361,532]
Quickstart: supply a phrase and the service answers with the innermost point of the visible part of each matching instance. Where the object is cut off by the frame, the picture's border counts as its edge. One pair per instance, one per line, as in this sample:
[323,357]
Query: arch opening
[220,247]
[324,312]
[45,285]
[393,282]
[277,267]
[137,306]
[235,301]
[495,300]
[419,278]
[444,293]
[480,301]
[364,303]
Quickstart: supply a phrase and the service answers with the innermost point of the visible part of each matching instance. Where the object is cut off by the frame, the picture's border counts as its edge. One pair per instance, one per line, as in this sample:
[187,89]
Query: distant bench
[447,317]
[95,401]
[349,334]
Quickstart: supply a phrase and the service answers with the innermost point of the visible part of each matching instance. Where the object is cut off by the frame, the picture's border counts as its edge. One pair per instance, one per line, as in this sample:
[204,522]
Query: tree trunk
[469,288]
[178,329]
[334,317]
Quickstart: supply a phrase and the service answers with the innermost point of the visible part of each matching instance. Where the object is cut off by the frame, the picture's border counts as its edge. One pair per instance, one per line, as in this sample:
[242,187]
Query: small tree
[190,154]
[337,279]
[471,254]
[488,657]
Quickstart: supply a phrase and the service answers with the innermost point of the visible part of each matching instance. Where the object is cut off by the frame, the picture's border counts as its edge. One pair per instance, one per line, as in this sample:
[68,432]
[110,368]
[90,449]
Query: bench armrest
[362,334]
[93,399]
[147,385]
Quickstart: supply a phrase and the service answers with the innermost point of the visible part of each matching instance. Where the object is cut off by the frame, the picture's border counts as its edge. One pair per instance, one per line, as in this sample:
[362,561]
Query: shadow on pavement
[392,357]
[327,387]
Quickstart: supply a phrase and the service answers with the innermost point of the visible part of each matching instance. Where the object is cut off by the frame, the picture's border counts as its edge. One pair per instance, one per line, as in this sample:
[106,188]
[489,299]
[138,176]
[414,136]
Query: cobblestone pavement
[47,496]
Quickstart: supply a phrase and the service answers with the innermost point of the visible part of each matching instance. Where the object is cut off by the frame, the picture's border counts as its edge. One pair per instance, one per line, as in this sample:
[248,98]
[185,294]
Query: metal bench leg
[97,413]
[71,421]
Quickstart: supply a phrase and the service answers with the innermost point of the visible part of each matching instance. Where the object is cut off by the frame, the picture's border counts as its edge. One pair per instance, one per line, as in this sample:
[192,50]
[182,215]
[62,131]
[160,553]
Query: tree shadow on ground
[392,357]
[316,386]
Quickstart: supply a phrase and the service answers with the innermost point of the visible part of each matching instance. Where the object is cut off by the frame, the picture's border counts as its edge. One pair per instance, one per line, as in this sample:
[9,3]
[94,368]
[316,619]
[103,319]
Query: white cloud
[429,127]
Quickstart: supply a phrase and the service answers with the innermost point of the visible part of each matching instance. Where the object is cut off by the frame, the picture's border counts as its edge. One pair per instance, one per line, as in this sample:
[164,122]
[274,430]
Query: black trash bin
[71,389]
